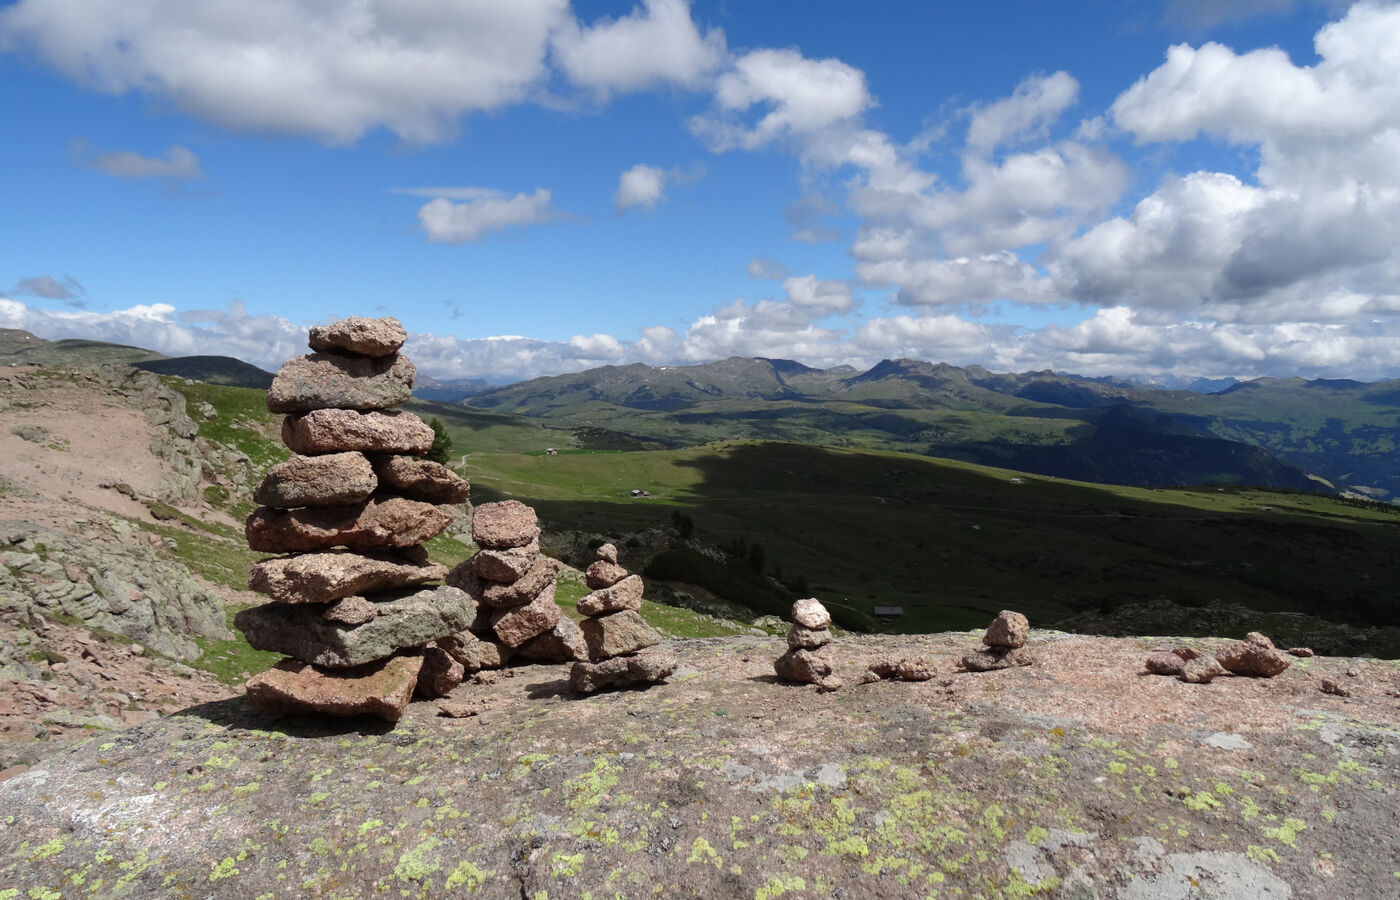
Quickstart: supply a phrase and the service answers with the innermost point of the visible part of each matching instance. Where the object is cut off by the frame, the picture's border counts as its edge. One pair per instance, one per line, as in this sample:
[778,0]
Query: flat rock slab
[340,381]
[518,624]
[394,522]
[421,479]
[405,618]
[625,594]
[380,689]
[336,430]
[562,643]
[504,566]
[540,577]
[617,633]
[993,658]
[323,577]
[358,334]
[603,574]
[648,667]
[335,479]
[800,638]
[508,523]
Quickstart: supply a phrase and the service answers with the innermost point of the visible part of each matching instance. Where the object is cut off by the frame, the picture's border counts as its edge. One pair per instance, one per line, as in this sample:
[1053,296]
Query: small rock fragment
[800,638]
[1331,687]
[1201,670]
[1165,664]
[441,673]
[358,334]
[1303,652]
[625,594]
[803,666]
[608,553]
[462,709]
[350,611]
[1009,629]
[562,643]
[1188,653]
[1253,659]
[504,566]
[516,625]
[810,613]
[603,574]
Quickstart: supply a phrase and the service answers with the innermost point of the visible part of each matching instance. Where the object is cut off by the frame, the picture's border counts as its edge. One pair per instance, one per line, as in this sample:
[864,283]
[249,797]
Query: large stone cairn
[615,636]
[805,661]
[515,585]
[354,605]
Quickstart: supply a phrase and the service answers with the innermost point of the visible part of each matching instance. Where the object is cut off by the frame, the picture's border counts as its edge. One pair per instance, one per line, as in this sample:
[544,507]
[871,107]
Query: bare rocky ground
[1077,777]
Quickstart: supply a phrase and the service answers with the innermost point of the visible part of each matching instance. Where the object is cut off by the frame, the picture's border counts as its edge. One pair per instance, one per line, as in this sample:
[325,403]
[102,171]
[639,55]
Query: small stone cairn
[1004,645]
[806,662]
[509,577]
[614,632]
[1254,657]
[354,608]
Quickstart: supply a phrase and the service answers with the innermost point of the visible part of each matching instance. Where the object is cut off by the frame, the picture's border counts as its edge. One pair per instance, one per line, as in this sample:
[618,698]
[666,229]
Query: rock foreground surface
[1077,777]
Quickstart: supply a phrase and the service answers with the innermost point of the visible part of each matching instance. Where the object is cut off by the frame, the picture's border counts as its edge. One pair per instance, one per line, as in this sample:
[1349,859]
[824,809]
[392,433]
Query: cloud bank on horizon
[1230,210]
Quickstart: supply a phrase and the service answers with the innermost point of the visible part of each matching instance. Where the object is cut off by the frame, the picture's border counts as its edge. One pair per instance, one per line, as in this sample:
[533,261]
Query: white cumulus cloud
[641,185]
[466,214]
[656,43]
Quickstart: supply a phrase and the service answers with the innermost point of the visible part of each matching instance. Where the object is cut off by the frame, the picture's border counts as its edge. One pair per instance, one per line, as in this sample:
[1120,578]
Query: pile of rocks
[509,576]
[614,632]
[352,605]
[1254,657]
[805,661]
[1005,645]
[892,669]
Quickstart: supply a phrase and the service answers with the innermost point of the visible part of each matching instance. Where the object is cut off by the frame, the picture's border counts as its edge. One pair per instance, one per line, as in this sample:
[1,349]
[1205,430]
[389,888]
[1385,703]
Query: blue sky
[1179,187]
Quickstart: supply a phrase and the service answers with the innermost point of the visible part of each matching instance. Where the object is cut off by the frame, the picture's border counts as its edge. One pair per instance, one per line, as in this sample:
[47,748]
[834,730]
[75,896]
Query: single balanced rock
[515,585]
[1004,645]
[805,661]
[1254,657]
[614,633]
[355,606]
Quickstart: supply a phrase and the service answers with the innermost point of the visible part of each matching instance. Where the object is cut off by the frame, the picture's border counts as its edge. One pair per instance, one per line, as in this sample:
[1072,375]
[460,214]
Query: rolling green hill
[952,543]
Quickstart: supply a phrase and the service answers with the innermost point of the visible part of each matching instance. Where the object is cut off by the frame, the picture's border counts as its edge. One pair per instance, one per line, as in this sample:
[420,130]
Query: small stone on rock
[810,613]
[1201,670]
[1009,629]
[1165,664]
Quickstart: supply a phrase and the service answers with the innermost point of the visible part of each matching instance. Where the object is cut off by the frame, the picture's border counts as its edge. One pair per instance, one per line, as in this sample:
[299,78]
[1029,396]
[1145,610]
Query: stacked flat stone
[615,635]
[1004,644]
[515,585]
[354,608]
[805,661]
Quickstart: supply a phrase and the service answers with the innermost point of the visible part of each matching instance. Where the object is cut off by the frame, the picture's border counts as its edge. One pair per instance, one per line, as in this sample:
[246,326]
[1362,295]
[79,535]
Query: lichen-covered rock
[993,658]
[329,380]
[323,577]
[1253,659]
[799,638]
[625,594]
[337,430]
[293,687]
[516,625]
[405,618]
[810,613]
[350,611]
[562,643]
[504,566]
[1009,629]
[1201,670]
[336,479]
[523,590]
[646,667]
[420,479]
[474,653]
[358,334]
[508,523]
[1165,663]
[617,633]
[393,522]
[441,673]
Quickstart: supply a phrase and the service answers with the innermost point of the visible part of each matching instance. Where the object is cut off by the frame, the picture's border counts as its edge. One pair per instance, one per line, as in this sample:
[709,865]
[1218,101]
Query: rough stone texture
[358,334]
[803,666]
[420,479]
[1201,670]
[406,618]
[647,667]
[336,479]
[441,673]
[913,670]
[323,577]
[508,523]
[1255,637]
[1253,659]
[608,553]
[1328,686]
[394,522]
[338,381]
[474,653]
[504,566]
[1164,663]
[350,611]
[336,430]
[617,633]
[1009,629]
[994,658]
[292,687]
[810,613]
[800,638]
[1302,652]
[603,574]
[516,625]
[524,589]
[562,643]
[625,594]
[1187,653]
